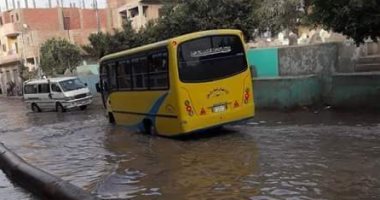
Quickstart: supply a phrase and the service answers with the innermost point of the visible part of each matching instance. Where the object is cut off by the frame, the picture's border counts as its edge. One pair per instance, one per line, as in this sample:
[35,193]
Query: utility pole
[97,14]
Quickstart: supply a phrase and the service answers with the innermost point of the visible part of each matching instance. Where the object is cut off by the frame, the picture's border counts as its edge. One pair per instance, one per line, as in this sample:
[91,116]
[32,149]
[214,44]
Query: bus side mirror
[85,84]
[98,87]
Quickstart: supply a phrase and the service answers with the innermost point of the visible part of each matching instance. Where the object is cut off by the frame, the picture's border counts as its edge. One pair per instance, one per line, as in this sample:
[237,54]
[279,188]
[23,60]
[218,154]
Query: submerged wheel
[59,108]
[111,118]
[149,128]
[83,107]
[35,108]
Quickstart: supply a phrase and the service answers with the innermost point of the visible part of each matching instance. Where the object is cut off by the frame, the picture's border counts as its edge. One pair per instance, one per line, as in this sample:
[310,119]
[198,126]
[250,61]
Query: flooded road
[276,156]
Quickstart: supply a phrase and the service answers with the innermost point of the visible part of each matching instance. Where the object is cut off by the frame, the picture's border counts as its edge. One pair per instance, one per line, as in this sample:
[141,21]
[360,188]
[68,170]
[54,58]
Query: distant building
[23,30]
[138,11]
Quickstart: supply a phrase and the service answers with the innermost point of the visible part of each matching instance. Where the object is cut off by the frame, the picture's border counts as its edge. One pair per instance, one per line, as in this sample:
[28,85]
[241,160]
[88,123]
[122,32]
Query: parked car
[60,94]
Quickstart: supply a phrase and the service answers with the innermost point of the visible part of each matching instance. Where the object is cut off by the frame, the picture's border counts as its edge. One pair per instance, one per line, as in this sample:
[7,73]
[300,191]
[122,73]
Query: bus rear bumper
[204,123]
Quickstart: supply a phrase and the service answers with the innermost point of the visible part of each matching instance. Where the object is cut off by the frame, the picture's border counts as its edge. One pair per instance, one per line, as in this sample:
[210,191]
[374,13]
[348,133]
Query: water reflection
[201,168]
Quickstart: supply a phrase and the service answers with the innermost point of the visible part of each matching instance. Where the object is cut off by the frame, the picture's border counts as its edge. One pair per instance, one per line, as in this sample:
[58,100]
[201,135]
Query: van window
[43,88]
[30,89]
[71,84]
[55,88]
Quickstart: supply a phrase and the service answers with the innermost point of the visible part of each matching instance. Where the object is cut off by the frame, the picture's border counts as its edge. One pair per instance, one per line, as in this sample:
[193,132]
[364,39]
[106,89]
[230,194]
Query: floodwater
[301,155]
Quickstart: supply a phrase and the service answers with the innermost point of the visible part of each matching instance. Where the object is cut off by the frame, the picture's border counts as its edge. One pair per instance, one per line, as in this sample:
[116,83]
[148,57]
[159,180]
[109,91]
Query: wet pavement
[296,155]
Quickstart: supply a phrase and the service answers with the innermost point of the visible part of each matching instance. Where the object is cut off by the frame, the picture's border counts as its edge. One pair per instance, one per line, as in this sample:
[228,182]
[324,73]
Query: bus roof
[45,80]
[178,39]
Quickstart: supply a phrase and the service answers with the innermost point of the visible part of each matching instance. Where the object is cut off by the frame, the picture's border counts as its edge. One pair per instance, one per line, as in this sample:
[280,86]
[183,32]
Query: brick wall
[41,19]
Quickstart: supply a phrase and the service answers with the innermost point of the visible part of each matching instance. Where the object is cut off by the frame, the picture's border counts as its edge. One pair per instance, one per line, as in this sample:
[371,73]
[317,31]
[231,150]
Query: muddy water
[287,156]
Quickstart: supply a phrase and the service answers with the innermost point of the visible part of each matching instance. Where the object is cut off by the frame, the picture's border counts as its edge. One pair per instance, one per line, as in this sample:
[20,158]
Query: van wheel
[149,128]
[60,108]
[111,118]
[82,107]
[35,108]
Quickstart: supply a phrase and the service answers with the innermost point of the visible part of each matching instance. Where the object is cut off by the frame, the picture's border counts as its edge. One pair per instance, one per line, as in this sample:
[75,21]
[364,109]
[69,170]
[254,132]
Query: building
[138,11]
[23,30]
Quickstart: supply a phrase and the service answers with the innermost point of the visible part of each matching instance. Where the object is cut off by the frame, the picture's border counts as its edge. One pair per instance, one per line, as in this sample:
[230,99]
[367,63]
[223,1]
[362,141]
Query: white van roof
[45,80]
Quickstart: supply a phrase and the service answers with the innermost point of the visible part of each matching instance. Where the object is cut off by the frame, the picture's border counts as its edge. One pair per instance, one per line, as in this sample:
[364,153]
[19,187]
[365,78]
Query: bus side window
[112,76]
[124,75]
[140,73]
[158,71]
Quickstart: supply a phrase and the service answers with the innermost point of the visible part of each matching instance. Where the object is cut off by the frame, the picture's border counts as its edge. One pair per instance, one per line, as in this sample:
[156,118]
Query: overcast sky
[45,3]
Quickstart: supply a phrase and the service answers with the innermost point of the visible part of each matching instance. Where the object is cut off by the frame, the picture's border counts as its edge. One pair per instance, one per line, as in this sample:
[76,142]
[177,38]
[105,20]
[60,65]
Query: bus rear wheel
[35,108]
[83,107]
[111,118]
[149,128]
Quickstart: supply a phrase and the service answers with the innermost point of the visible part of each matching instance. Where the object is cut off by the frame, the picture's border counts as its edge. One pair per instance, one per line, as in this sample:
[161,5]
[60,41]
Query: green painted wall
[287,92]
[265,61]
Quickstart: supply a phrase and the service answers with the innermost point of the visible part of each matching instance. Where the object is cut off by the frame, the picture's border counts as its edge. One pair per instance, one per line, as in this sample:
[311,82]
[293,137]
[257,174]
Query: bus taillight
[189,109]
[246,96]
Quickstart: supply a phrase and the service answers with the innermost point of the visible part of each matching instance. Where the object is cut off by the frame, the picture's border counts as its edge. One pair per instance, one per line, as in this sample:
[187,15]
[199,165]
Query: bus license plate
[218,109]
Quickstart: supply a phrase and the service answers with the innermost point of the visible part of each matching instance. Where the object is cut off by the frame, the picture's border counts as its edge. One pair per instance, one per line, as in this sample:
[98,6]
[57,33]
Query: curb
[37,181]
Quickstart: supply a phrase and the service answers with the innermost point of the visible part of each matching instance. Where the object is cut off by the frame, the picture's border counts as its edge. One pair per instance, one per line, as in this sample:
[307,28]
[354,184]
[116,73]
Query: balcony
[10,30]
[10,57]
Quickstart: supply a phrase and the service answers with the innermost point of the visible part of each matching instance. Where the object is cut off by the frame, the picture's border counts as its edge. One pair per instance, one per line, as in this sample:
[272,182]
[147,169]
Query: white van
[56,93]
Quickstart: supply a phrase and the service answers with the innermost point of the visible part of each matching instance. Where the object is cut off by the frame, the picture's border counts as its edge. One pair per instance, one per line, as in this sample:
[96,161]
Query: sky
[45,3]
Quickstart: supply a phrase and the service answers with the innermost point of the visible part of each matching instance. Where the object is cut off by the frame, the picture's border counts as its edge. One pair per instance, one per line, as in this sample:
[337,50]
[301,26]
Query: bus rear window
[211,58]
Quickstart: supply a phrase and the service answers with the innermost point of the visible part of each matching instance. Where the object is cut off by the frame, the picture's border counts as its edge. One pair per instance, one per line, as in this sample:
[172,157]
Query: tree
[58,55]
[102,44]
[358,19]
[277,16]
[179,17]
[183,16]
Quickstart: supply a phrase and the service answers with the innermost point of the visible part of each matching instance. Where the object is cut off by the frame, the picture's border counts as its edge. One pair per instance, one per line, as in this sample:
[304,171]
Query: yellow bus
[182,85]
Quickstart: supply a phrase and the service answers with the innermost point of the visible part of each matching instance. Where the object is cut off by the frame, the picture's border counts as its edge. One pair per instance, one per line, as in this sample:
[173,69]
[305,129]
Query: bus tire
[111,118]
[35,108]
[60,108]
[149,128]
[83,107]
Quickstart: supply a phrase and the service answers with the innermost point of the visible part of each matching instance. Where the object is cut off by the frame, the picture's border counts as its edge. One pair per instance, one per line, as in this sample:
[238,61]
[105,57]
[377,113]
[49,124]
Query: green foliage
[179,17]
[58,55]
[277,15]
[197,15]
[25,74]
[358,19]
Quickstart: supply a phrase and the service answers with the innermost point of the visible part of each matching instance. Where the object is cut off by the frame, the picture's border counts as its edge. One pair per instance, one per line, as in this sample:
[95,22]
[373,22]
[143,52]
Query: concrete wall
[287,92]
[308,59]
[354,91]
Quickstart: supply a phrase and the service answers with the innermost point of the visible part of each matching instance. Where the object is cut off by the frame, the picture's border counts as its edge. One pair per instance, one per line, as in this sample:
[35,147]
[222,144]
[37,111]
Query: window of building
[17,17]
[43,88]
[30,61]
[4,48]
[133,12]
[1,21]
[66,23]
[12,18]
[30,89]
[145,8]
